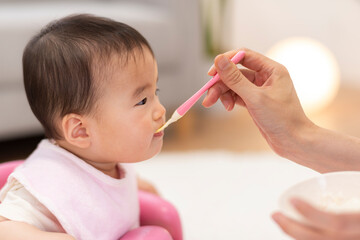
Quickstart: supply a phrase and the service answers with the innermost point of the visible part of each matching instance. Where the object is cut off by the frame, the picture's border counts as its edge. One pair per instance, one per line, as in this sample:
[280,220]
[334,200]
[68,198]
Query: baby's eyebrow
[141,89]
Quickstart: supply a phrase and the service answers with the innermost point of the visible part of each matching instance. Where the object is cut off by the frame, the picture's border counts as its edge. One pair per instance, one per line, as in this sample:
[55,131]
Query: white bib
[87,203]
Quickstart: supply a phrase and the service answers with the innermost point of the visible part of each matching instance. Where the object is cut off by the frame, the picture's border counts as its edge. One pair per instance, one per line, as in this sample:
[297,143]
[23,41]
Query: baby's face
[129,113]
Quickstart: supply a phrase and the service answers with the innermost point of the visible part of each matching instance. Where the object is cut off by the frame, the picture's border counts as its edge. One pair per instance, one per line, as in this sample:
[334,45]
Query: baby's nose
[160,111]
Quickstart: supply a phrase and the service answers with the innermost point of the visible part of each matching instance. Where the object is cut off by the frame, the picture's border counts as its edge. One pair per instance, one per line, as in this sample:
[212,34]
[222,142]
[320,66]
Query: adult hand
[266,90]
[321,225]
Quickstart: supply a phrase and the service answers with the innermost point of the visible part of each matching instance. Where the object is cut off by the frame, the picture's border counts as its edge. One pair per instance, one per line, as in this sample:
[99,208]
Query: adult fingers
[316,217]
[348,224]
[296,229]
[218,89]
[232,77]
[214,94]
[229,54]
[228,100]
[252,60]
[239,101]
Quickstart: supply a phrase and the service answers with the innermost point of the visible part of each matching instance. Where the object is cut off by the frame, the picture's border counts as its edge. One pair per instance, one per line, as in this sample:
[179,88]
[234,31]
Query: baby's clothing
[18,204]
[55,190]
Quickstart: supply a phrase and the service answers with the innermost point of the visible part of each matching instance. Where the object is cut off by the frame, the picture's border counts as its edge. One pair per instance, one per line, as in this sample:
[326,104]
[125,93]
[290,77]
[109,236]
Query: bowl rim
[322,175]
[286,196]
[283,195]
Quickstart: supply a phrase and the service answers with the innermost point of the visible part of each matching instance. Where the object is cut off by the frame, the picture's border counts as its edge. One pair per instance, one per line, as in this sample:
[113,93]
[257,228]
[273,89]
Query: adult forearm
[325,151]
[266,90]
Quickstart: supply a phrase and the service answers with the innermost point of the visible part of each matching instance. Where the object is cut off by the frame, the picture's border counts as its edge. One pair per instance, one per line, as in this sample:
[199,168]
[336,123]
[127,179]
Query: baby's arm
[146,186]
[12,230]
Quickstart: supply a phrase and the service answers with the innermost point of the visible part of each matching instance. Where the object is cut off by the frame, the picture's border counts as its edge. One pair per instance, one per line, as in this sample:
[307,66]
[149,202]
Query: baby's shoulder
[12,185]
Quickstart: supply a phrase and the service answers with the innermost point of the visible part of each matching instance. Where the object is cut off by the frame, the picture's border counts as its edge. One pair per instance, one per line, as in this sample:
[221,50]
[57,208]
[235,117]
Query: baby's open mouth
[159,134]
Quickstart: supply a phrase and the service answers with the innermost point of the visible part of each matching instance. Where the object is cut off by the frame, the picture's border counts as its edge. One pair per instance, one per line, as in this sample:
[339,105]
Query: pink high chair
[159,219]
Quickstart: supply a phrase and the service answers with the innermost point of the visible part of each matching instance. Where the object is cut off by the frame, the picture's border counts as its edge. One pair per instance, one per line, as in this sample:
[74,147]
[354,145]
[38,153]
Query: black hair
[62,62]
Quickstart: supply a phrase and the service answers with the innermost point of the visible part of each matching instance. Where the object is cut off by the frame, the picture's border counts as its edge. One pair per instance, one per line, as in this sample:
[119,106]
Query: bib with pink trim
[87,203]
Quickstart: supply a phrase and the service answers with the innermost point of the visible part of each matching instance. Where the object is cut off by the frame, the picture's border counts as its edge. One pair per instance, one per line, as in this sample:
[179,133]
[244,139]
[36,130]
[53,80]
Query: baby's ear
[75,130]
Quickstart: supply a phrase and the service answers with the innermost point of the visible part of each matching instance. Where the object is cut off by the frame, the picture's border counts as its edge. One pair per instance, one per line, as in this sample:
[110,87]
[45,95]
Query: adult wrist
[300,142]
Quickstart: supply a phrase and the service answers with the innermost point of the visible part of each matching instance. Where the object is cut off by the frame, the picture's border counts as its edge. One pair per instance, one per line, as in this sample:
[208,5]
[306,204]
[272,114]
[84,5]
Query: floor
[216,129]
[224,195]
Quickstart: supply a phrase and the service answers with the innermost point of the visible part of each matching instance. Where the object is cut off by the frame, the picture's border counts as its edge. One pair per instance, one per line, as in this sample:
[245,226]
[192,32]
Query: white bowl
[337,192]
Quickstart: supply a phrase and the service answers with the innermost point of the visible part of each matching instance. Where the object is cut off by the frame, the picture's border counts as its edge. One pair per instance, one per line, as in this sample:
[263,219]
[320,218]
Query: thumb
[232,76]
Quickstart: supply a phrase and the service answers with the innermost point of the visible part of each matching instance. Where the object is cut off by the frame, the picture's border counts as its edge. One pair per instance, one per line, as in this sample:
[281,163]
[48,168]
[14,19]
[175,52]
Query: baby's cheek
[148,128]
[141,137]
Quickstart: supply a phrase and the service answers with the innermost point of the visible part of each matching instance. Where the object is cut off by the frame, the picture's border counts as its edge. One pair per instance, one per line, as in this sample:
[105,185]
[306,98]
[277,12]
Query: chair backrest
[6,168]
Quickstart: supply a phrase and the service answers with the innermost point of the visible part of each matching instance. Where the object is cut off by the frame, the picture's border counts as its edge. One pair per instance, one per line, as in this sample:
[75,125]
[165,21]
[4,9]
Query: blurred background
[318,41]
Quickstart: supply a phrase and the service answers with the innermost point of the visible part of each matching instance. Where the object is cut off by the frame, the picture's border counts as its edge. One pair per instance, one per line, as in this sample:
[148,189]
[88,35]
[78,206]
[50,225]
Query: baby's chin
[155,152]
[148,156]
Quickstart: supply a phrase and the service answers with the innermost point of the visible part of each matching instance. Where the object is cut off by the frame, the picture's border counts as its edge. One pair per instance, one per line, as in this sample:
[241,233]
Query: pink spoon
[180,111]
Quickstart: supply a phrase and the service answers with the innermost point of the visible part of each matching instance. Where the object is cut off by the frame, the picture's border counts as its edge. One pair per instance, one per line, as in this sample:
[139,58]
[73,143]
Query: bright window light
[313,69]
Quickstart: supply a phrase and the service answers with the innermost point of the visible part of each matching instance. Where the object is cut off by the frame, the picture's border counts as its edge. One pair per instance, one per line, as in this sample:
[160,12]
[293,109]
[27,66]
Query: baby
[92,83]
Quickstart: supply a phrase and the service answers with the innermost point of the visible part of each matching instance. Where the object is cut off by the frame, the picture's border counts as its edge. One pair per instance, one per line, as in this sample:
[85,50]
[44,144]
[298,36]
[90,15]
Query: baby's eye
[142,102]
[157,91]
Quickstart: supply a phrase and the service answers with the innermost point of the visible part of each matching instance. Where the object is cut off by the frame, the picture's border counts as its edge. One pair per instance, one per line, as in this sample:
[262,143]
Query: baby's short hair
[61,64]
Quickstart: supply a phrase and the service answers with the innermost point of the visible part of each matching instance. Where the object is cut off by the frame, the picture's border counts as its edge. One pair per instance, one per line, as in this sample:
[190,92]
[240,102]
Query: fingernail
[228,108]
[210,68]
[276,217]
[294,202]
[226,104]
[204,102]
[223,63]
[206,97]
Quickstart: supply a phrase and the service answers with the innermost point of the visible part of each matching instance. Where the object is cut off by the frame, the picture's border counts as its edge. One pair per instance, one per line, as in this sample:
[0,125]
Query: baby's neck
[109,168]
[113,172]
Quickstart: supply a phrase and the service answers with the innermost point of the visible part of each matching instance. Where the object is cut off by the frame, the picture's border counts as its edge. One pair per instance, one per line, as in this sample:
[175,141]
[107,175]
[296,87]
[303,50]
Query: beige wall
[259,24]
